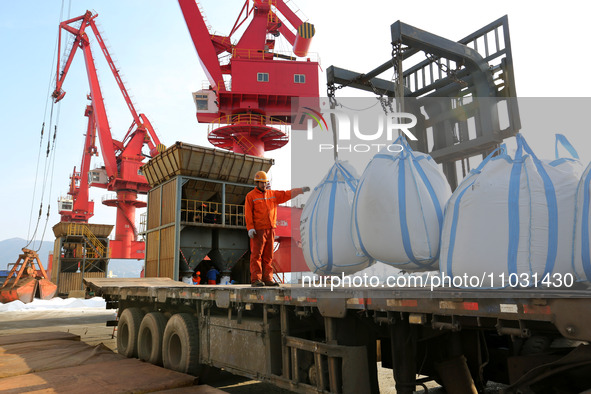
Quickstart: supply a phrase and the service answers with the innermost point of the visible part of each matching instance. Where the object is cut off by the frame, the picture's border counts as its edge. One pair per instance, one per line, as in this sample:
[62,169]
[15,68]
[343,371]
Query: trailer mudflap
[332,307]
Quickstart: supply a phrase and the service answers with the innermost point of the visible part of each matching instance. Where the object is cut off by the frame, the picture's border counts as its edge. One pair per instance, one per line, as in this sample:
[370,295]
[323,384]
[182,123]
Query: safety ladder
[242,143]
[83,230]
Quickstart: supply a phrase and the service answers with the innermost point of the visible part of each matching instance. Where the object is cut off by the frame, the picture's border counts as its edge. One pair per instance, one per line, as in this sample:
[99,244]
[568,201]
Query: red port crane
[124,158]
[249,112]
[78,207]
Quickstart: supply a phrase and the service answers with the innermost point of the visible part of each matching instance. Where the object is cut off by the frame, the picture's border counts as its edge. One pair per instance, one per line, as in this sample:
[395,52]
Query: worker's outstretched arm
[283,196]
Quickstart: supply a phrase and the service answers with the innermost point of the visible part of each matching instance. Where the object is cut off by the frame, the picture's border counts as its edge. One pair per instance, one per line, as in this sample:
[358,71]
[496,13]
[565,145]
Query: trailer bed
[567,309]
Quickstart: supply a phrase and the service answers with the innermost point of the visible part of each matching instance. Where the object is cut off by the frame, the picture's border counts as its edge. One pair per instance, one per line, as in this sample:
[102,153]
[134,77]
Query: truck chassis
[317,340]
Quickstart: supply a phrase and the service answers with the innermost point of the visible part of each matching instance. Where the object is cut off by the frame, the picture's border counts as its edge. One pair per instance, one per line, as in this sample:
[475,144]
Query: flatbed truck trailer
[323,340]
[310,339]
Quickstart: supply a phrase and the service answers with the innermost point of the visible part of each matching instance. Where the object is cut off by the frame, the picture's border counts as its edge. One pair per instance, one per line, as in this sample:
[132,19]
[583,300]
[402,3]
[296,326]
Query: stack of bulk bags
[511,216]
[398,208]
[325,225]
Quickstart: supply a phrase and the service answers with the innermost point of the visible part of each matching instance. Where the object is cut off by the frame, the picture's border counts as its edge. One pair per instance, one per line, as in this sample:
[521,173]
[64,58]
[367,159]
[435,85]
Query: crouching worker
[260,211]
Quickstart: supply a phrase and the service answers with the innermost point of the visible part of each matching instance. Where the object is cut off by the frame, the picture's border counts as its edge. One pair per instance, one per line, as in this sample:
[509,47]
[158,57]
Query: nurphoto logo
[351,128]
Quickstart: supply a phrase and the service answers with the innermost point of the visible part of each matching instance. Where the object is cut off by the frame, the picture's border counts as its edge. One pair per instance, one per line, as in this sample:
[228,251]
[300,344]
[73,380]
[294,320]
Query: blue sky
[152,48]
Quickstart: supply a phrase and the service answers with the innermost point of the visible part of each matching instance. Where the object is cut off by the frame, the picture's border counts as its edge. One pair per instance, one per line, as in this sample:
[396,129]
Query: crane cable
[29,239]
[47,151]
[51,79]
[50,179]
[53,155]
[48,166]
[50,150]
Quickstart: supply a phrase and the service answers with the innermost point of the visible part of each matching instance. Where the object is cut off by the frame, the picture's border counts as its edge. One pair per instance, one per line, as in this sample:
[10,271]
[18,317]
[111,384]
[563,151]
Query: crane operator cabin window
[201,101]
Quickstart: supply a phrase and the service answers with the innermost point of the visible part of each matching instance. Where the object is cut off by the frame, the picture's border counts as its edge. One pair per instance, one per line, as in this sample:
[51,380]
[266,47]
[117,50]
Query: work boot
[258,283]
[271,284]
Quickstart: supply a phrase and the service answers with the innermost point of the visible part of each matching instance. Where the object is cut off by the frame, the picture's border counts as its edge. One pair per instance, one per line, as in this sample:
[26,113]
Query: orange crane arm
[102,122]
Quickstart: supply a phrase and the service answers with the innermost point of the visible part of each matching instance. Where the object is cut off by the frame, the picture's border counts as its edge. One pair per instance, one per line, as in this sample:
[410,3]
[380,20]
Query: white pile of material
[511,216]
[398,208]
[54,303]
[325,225]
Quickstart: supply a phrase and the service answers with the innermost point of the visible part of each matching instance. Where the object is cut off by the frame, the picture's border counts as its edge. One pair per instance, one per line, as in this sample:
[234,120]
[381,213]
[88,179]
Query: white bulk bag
[510,221]
[398,208]
[325,225]
[581,260]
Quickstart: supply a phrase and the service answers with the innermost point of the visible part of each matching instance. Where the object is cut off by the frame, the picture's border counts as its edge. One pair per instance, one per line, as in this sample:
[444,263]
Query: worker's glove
[251,233]
[305,189]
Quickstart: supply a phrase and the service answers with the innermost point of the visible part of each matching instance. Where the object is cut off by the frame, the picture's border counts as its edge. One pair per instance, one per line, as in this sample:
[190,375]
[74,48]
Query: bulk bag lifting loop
[561,139]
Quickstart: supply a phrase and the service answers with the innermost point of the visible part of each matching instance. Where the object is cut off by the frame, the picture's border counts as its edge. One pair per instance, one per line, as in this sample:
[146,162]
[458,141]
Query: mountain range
[11,248]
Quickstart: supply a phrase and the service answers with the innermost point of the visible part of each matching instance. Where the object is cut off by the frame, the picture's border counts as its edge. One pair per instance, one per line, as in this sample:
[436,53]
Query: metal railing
[249,119]
[206,85]
[257,54]
[80,229]
[203,16]
[196,211]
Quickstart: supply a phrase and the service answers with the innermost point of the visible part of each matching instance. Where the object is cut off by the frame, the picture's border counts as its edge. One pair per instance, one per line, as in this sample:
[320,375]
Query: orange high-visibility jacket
[260,208]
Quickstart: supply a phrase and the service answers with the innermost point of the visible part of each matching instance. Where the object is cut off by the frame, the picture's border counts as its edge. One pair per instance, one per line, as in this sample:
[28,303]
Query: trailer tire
[150,338]
[127,331]
[180,346]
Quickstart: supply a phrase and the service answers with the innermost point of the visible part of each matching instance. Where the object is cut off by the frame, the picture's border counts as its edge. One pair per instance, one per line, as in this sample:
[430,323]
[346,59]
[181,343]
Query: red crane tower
[124,158]
[249,111]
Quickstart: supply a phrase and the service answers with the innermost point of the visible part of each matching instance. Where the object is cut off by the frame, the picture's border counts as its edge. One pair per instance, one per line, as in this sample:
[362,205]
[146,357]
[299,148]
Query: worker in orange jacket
[260,211]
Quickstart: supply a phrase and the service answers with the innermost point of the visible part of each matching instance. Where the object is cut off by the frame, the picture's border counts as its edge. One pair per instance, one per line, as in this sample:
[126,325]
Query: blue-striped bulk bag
[510,221]
[566,178]
[581,261]
[398,208]
[325,225]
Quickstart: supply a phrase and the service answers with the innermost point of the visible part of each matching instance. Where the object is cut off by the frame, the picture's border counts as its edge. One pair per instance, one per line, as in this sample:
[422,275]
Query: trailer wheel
[127,331]
[150,338]
[180,346]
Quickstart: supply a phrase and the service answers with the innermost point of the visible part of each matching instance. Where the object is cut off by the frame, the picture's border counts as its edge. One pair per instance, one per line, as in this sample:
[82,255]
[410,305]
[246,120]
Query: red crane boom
[124,158]
[78,208]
